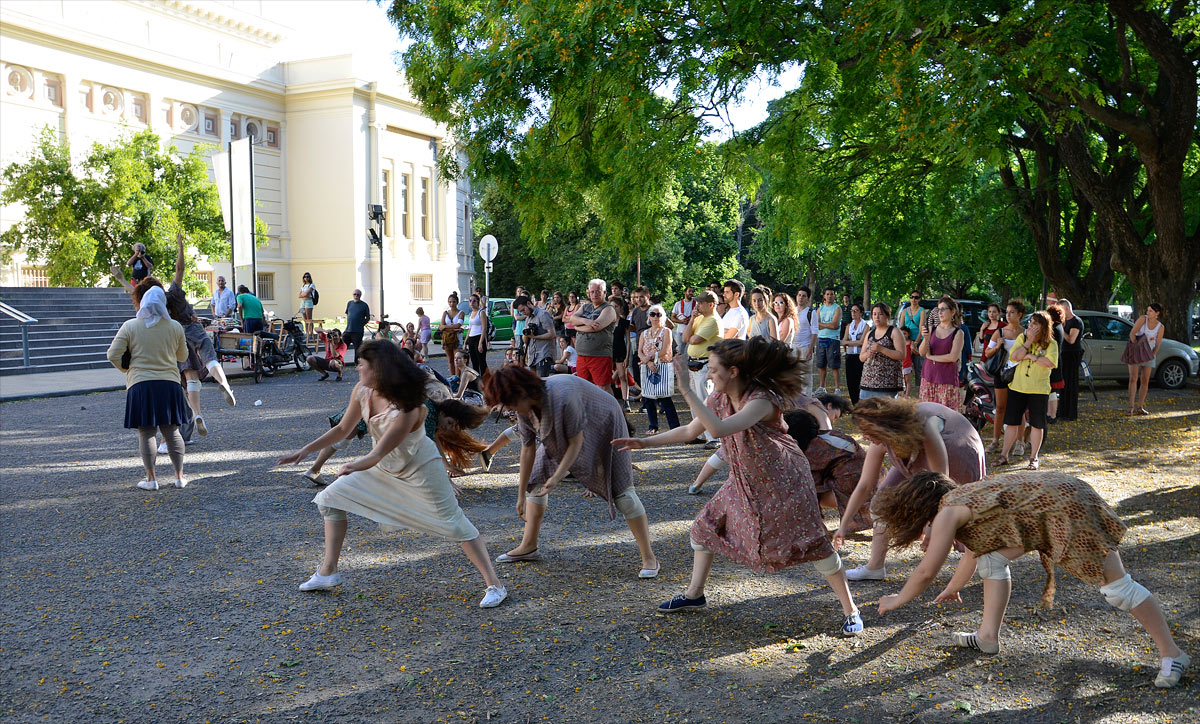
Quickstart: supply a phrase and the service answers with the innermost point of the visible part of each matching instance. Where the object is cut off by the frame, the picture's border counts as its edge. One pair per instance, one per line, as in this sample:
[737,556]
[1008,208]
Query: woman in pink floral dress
[766,516]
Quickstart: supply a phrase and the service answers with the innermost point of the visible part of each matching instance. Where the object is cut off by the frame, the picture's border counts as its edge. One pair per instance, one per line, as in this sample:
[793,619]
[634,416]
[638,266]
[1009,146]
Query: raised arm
[179,260]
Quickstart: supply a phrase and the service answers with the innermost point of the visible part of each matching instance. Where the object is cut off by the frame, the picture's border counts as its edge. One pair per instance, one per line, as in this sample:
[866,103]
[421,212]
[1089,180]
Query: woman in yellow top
[1036,353]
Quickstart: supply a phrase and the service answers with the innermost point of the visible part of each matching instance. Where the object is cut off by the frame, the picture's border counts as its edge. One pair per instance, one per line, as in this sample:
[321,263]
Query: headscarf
[153,307]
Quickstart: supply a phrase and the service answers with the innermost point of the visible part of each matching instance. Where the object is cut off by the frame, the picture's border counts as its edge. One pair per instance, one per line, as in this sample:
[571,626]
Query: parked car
[1104,340]
[499,316]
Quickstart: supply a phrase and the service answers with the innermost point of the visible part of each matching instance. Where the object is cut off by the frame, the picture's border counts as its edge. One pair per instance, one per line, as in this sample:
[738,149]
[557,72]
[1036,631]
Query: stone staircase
[73,331]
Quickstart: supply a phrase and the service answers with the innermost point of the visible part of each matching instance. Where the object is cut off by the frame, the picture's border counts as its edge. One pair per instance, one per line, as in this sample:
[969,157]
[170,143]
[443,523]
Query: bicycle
[271,356]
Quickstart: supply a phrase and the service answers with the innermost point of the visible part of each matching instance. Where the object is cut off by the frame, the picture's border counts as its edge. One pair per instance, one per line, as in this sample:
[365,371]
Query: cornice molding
[214,16]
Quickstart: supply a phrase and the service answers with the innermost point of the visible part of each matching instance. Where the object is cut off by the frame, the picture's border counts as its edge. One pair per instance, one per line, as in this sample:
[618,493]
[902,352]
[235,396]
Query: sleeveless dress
[939,380]
[450,339]
[409,487]
[1049,512]
[882,373]
[964,448]
[766,515]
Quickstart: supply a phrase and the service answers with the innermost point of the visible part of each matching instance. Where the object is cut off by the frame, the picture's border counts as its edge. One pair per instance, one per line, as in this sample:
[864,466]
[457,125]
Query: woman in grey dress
[567,426]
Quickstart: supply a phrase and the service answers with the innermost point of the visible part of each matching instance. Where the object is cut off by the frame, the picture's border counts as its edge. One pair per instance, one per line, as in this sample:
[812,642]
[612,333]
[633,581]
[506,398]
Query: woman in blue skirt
[148,349]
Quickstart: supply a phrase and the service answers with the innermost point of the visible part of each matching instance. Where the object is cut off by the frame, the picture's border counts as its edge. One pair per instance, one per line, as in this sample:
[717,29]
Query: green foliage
[82,219]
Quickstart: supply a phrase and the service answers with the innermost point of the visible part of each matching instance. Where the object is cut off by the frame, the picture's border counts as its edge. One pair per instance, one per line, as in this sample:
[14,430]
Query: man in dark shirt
[357,316]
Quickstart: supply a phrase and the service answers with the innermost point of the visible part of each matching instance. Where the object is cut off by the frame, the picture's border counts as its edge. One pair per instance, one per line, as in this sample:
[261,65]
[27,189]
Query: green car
[500,328]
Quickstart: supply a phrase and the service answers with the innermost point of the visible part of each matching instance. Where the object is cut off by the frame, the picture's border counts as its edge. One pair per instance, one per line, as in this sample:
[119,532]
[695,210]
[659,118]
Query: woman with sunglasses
[942,350]
[784,310]
[1036,353]
[658,377]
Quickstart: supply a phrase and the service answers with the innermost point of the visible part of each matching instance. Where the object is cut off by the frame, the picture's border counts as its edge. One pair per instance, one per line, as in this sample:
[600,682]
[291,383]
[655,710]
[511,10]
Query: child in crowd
[566,361]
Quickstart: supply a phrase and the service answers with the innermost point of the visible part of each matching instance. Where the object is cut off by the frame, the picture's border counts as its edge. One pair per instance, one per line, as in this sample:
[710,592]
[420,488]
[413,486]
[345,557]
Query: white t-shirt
[736,318]
[572,356]
[806,326]
[683,308]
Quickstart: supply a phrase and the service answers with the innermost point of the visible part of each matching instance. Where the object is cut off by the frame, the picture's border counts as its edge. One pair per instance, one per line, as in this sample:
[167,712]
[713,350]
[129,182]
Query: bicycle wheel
[1087,375]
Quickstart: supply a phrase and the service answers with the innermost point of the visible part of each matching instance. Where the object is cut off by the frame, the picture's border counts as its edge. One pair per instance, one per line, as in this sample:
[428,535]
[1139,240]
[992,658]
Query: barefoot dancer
[576,422]
[401,482]
[1002,518]
[766,516]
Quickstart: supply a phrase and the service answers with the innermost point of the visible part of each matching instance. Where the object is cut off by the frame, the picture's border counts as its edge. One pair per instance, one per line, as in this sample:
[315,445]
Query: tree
[81,220]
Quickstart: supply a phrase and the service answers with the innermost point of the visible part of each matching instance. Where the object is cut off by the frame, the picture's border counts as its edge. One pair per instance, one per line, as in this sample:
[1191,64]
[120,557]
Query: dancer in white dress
[401,483]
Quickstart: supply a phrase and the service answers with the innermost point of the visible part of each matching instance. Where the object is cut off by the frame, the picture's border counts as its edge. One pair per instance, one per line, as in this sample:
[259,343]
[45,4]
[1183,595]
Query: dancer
[915,436]
[401,482]
[147,349]
[1002,518]
[577,423]
[836,460]
[766,516]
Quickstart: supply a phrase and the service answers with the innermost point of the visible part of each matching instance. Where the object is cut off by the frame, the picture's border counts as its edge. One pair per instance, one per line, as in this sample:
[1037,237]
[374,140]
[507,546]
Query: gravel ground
[181,605]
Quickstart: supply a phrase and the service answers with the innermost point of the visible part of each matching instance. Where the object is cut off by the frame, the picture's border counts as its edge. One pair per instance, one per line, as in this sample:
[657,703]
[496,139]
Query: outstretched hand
[291,459]
[839,538]
[890,602]
[629,443]
[948,596]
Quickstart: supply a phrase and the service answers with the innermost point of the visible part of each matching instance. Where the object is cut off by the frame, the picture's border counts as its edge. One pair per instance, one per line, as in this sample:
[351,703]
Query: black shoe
[697,441]
[682,603]
[324,376]
[486,458]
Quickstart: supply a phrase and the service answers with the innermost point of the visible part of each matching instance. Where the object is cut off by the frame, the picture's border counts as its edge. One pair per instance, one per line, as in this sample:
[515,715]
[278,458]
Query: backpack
[316,296]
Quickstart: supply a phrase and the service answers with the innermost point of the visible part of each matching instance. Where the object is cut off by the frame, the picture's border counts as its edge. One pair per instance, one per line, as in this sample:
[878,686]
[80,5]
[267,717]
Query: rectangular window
[420,286]
[405,219]
[425,209]
[235,128]
[138,104]
[210,124]
[385,191]
[266,286]
[207,278]
[272,137]
[53,92]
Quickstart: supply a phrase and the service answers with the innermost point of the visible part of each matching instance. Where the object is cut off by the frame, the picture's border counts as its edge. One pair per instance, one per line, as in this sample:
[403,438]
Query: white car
[1104,339]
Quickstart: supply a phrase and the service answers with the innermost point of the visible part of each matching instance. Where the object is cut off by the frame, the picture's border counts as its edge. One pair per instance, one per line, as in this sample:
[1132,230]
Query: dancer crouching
[766,516]
[1000,519]
[401,482]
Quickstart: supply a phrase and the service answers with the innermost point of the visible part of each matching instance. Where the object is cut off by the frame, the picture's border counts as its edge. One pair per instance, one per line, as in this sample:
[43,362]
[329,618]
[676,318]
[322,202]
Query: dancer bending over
[1000,519]
[401,482]
[766,516]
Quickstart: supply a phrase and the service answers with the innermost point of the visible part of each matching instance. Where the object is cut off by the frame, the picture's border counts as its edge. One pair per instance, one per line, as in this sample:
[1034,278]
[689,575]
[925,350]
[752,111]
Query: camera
[533,329]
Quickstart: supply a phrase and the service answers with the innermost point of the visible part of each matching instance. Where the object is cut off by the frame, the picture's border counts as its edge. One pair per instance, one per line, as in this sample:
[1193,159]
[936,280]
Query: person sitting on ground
[999,519]
[335,354]
[566,360]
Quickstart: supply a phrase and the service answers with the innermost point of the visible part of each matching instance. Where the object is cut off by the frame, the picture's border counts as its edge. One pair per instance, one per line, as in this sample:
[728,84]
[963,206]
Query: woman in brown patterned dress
[1002,518]
[766,516]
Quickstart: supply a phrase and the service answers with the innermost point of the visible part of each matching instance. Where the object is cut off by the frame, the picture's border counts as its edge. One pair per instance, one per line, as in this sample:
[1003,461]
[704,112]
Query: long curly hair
[397,377]
[763,363]
[455,417]
[908,506]
[893,422]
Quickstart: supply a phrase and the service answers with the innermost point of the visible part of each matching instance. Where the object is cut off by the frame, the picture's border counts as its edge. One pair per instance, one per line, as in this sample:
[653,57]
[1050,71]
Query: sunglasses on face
[655,314]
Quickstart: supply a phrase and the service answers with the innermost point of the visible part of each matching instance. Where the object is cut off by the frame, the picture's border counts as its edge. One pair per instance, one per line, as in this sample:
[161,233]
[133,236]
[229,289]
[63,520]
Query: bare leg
[193,396]
[476,551]
[640,527]
[837,378]
[1148,613]
[995,601]
[1134,371]
[706,472]
[879,547]
[1144,389]
[842,590]
[1010,437]
[335,535]
[533,526]
[701,564]
[828,500]
[1035,442]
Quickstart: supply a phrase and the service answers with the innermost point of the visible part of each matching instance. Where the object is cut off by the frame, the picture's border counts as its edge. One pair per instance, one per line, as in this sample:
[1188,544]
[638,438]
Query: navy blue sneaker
[852,625]
[683,603]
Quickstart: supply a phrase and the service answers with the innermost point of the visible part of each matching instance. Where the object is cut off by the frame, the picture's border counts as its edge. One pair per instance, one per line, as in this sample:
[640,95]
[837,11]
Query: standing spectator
[357,316]
[424,331]
[335,354]
[518,338]
[307,295]
[658,375]
[1006,337]
[594,324]
[1149,326]
[224,302]
[983,340]
[805,340]
[451,331]
[764,323]
[639,323]
[829,341]
[701,333]
[154,401]
[568,426]
[682,312]
[477,335]
[852,341]
[618,290]
[557,309]
[250,309]
[539,336]
[1071,359]
[1055,312]
[141,263]
[735,322]
[784,310]
[573,307]
[942,351]
[845,310]
[1035,354]
[913,319]
[882,354]
[621,352]
[544,299]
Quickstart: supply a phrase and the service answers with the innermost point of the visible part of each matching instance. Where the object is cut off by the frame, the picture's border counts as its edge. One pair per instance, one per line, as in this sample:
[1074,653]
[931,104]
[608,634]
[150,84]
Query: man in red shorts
[594,325]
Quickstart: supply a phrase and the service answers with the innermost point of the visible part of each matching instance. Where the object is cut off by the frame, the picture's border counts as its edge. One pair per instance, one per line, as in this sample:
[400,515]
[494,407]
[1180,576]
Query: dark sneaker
[682,603]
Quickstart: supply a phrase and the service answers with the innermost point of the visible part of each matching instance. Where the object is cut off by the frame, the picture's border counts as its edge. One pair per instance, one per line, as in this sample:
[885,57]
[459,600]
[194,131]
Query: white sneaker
[148,484]
[321,583]
[180,483]
[862,573]
[201,427]
[819,391]
[837,391]
[1018,448]
[229,398]
[162,448]
[493,596]
[1172,671]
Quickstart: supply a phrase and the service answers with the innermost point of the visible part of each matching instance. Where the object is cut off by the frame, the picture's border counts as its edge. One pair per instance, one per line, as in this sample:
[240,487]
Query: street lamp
[376,214]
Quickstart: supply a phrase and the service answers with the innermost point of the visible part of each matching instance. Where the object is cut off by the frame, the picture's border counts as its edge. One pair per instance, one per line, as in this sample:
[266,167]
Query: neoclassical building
[332,135]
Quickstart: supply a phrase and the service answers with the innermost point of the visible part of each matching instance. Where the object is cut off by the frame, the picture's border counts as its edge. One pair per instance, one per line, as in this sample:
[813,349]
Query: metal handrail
[24,320]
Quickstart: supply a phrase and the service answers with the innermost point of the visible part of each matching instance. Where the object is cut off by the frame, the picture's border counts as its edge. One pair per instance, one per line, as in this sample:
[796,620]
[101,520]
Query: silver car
[1105,336]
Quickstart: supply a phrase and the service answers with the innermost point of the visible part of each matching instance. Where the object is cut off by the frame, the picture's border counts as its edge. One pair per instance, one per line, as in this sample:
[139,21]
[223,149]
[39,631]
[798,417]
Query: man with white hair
[594,325]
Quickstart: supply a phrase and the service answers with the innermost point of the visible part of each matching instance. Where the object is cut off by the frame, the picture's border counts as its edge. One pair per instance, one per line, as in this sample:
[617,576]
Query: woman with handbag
[997,363]
[1140,353]
[658,378]
[1035,353]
